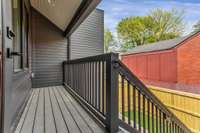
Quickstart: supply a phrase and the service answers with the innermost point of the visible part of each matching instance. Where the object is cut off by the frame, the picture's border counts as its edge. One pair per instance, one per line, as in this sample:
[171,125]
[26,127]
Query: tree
[134,31]
[158,25]
[167,24]
[108,40]
[196,27]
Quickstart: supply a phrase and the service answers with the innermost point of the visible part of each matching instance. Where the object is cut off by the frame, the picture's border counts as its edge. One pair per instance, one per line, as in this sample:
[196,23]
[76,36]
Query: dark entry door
[7,64]
[1,70]
[17,82]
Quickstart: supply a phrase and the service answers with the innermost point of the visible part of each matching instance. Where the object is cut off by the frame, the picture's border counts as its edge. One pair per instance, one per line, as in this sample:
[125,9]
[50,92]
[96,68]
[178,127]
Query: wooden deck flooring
[53,110]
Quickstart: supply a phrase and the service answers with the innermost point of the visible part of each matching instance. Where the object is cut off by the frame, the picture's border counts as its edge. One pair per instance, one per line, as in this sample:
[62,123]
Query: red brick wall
[189,61]
[154,66]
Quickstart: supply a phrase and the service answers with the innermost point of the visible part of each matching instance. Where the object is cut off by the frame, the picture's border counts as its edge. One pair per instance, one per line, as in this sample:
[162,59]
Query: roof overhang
[67,15]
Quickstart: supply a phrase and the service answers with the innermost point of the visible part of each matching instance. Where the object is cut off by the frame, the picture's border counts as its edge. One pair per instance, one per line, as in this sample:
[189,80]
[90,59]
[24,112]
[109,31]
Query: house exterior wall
[189,61]
[88,39]
[50,47]
[48,52]
[155,66]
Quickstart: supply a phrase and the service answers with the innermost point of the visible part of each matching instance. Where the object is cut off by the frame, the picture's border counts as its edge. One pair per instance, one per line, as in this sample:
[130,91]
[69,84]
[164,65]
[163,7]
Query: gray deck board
[53,110]
[91,123]
[59,121]
[80,122]
[39,118]
[30,119]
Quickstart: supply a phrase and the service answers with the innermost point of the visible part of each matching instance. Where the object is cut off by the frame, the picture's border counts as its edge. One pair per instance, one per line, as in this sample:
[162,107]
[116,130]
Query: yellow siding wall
[186,106]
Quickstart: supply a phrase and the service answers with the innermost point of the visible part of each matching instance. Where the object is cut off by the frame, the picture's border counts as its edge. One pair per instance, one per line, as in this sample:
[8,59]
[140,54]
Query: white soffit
[59,12]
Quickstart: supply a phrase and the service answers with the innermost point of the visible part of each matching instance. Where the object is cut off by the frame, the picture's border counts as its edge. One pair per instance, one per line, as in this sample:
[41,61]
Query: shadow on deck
[53,110]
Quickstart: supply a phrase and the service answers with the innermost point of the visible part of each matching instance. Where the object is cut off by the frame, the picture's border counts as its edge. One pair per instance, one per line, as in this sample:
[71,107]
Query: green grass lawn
[142,121]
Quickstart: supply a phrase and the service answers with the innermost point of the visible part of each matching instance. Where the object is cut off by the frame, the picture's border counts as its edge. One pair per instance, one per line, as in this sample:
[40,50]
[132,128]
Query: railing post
[63,69]
[112,94]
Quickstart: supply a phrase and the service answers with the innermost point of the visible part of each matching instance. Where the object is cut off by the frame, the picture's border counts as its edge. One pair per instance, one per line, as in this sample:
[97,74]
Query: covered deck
[54,110]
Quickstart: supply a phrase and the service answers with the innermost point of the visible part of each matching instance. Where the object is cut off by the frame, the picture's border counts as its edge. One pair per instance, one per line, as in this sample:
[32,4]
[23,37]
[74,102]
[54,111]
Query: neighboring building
[172,61]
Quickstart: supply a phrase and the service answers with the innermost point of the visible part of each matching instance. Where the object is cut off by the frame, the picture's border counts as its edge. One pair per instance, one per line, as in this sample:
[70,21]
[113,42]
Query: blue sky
[115,10]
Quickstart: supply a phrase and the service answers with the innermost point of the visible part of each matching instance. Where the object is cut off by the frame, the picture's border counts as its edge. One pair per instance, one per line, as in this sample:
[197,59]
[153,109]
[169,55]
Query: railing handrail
[123,69]
[102,57]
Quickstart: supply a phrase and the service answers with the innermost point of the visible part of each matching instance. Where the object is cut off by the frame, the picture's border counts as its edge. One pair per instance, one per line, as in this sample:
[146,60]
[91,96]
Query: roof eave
[86,7]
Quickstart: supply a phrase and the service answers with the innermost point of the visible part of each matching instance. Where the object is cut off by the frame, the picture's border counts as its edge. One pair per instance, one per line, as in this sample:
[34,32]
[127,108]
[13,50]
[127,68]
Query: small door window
[17,28]
[20,41]
[25,24]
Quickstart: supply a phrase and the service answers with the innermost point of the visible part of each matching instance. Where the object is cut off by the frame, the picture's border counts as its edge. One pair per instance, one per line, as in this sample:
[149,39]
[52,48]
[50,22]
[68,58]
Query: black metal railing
[116,97]
[94,81]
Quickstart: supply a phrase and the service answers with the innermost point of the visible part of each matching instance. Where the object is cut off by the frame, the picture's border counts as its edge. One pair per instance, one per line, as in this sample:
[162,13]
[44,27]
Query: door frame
[1,68]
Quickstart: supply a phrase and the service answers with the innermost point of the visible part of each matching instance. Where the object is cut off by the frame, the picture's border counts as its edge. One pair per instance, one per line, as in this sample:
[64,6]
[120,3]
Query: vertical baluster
[152,114]
[170,128]
[103,87]
[105,83]
[144,114]
[90,80]
[175,128]
[160,120]
[148,113]
[70,77]
[91,89]
[99,86]
[73,77]
[94,86]
[82,79]
[85,81]
[78,77]
[134,106]
[178,131]
[139,110]
[167,126]
[129,99]
[123,112]
[156,119]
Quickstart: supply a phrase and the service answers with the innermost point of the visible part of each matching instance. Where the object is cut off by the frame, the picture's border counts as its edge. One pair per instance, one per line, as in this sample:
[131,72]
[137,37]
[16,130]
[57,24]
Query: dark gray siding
[49,51]
[88,39]
[50,47]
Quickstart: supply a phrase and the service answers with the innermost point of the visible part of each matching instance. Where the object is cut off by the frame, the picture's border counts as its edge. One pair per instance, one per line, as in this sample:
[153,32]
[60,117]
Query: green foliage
[108,40]
[158,25]
[196,27]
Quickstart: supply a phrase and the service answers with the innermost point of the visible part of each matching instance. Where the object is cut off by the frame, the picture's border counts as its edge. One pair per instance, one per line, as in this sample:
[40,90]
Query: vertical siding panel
[155,66]
[188,61]
[168,67]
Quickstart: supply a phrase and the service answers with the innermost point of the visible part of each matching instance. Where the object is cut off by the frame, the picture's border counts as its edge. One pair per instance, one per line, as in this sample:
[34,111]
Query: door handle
[16,54]
[10,33]
[10,53]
